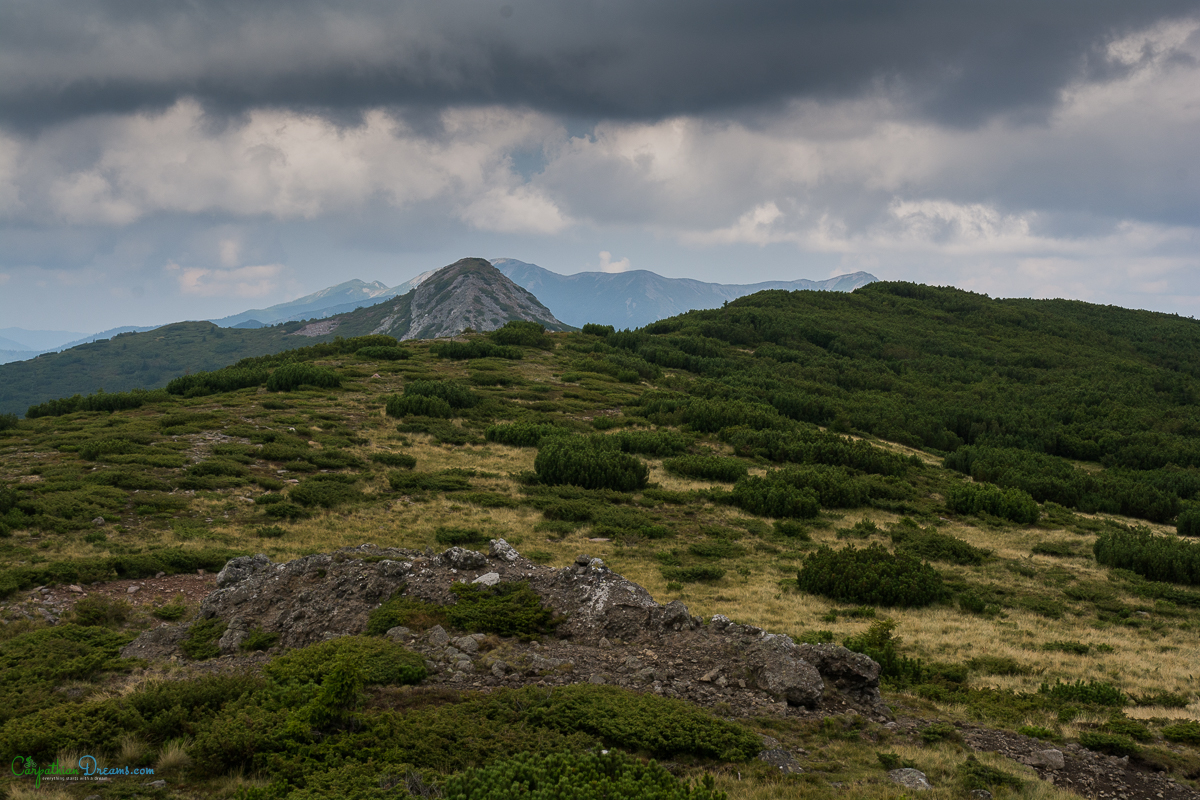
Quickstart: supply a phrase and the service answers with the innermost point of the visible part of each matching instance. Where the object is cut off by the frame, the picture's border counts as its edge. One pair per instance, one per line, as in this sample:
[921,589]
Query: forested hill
[1020,381]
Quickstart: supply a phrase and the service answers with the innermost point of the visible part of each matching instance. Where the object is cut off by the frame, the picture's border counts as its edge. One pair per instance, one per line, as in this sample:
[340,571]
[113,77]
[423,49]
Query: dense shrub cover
[871,576]
[405,405]
[589,463]
[8,422]
[595,329]
[461,351]
[1188,523]
[100,401]
[661,727]
[455,394]
[523,434]
[508,609]
[385,353]
[400,460]
[1159,558]
[522,333]
[201,384]
[1010,504]
[713,468]
[381,661]
[765,497]
[593,776]
[813,446]
[1090,692]
[292,376]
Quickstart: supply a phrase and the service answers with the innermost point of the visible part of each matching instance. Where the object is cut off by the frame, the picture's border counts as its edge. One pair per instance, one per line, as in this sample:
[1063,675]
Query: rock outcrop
[612,631]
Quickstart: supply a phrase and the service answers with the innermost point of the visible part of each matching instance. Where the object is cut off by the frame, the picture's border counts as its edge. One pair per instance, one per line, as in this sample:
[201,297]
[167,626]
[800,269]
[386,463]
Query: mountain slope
[636,298]
[336,299]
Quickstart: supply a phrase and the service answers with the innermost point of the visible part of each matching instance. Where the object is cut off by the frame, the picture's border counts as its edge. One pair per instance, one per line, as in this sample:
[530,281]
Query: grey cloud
[957,62]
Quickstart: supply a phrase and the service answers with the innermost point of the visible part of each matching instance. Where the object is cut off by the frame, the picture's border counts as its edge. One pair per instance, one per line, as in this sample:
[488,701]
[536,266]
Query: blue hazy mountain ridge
[329,301]
[638,297]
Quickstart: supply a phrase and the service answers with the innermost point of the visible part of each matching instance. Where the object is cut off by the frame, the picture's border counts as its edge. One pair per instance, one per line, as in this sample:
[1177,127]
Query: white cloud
[252,281]
[608,265]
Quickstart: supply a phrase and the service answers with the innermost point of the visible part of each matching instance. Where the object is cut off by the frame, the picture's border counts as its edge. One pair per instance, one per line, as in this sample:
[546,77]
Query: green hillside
[994,499]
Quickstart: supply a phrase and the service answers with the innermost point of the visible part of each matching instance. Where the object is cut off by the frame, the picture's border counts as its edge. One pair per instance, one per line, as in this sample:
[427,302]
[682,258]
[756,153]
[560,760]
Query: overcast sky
[165,161]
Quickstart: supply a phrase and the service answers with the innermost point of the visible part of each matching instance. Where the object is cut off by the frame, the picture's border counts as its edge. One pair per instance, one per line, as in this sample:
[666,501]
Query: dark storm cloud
[956,62]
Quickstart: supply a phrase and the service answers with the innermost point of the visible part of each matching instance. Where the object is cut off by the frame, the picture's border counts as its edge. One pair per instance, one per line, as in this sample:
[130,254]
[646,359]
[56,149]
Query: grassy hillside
[747,460]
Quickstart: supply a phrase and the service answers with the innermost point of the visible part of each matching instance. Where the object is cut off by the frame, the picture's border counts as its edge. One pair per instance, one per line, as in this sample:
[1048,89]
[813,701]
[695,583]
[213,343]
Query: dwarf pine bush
[871,576]
[590,464]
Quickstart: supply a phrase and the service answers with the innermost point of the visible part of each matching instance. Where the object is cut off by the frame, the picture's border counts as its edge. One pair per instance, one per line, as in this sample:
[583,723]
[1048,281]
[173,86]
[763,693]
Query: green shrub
[270,532]
[258,639]
[595,329]
[201,640]
[792,530]
[427,482]
[169,612]
[489,500]
[932,545]
[1187,732]
[459,536]
[998,665]
[588,464]
[720,548]
[1111,743]
[474,349]
[871,576]
[1038,732]
[455,394]
[382,662]
[1092,692]
[383,353]
[104,612]
[648,443]
[940,732]
[1120,724]
[975,776]
[770,498]
[714,468]
[406,611]
[1076,648]
[693,574]
[398,460]
[976,498]
[8,422]
[218,467]
[1159,558]
[523,434]
[229,379]
[326,491]
[418,406]
[658,726]
[593,776]
[508,608]
[100,401]
[286,510]
[522,333]
[292,376]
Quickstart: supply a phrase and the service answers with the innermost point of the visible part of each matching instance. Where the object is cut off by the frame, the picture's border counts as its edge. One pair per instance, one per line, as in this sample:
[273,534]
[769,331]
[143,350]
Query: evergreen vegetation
[871,576]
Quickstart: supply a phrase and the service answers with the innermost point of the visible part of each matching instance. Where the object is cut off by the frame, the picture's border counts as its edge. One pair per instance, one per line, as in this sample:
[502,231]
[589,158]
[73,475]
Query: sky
[169,161]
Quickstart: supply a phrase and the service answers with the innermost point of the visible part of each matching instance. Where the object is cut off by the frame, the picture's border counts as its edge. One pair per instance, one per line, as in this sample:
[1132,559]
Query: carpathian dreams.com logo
[87,769]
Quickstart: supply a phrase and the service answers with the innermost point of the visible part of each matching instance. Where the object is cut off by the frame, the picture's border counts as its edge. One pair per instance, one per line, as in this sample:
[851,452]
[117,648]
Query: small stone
[711,675]
[488,579]
[1050,759]
[75,589]
[160,575]
[437,636]
[911,778]
[199,572]
[582,560]
[981,794]
[597,679]
[133,590]
[605,644]
[596,563]
[398,632]
[500,669]
[159,784]
[467,644]
[503,551]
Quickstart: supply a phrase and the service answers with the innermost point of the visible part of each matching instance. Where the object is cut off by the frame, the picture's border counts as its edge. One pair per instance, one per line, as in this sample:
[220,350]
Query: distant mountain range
[625,299]
[470,293]
[31,344]
[638,297]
